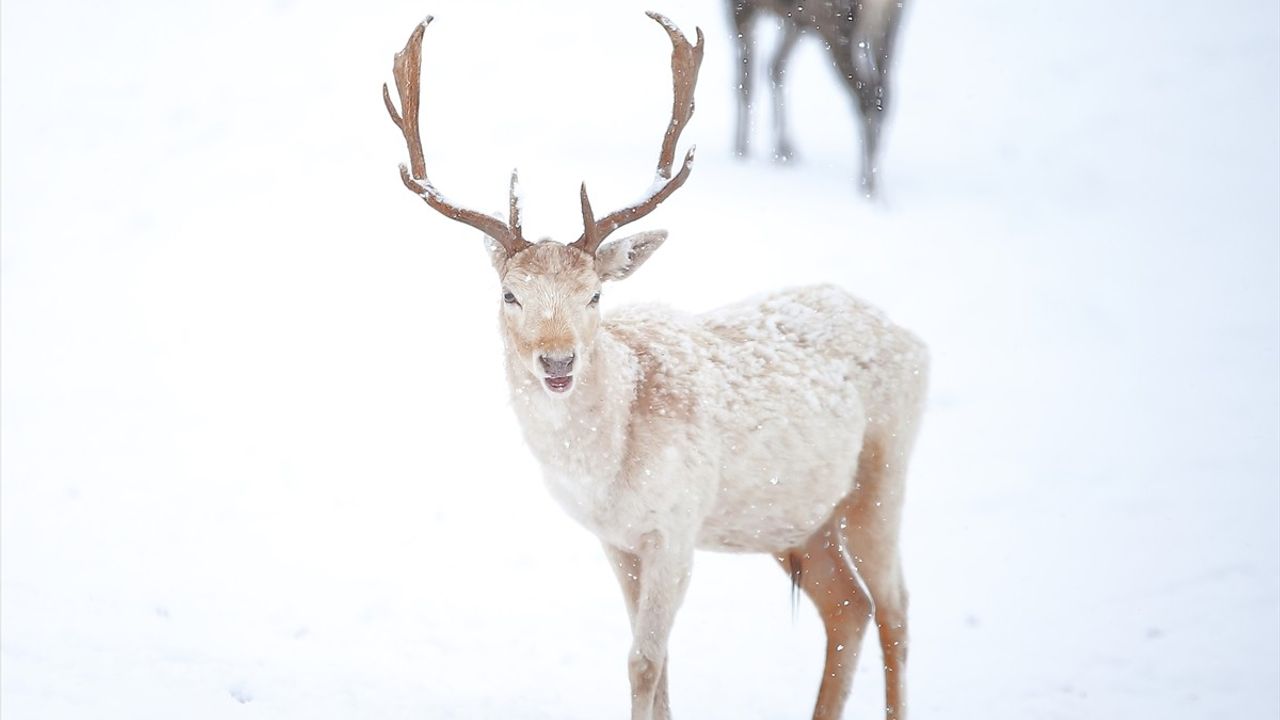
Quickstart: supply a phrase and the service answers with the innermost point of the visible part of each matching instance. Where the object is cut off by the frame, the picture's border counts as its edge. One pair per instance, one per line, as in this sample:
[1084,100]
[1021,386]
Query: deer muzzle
[558,369]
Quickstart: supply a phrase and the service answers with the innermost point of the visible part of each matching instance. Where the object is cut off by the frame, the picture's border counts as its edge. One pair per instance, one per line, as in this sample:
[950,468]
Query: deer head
[551,291]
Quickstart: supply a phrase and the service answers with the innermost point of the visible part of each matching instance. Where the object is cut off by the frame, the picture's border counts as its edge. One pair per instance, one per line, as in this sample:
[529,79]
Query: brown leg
[828,578]
[851,569]
[872,517]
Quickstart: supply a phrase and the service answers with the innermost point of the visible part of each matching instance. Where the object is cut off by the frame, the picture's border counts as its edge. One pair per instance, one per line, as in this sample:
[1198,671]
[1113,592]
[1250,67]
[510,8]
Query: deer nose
[557,365]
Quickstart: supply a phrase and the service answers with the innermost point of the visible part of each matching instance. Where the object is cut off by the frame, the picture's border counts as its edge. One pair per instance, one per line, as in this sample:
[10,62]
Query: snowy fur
[737,430]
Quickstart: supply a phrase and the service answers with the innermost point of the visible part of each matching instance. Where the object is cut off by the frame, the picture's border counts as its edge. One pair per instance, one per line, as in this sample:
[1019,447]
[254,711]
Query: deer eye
[509,298]
[595,300]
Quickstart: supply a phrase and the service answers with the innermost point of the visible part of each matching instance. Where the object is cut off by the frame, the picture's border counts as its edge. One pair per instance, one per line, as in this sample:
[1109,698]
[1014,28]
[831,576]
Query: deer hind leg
[871,111]
[873,98]
[783,151]
[873,101]
[855,60]
[626,566]
[743,13]
[872,516]
[827,576]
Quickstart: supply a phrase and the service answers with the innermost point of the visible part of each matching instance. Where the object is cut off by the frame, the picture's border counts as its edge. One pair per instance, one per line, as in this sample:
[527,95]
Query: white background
[257,460]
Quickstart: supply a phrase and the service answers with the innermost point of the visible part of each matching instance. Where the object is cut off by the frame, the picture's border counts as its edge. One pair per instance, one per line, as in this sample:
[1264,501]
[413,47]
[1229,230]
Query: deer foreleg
[626,566]
[663,579]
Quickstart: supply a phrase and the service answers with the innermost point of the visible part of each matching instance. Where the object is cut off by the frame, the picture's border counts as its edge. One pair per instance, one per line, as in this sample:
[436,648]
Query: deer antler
[685,61]
[407,70]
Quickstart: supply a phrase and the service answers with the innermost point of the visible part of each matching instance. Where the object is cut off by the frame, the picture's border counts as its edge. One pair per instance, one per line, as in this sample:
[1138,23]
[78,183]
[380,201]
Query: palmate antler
[407,70]
[686,59]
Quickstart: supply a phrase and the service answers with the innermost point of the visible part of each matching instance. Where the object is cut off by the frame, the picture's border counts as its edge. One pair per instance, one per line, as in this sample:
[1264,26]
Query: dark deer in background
[859,35]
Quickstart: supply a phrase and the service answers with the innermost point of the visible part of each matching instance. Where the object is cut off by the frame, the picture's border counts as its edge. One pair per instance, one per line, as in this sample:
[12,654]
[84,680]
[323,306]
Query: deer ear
[617,259]
[497,253]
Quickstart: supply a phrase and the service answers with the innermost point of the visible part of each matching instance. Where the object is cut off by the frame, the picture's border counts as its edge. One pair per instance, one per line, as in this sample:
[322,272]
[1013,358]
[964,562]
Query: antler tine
[407,70]
[686,59]
[515,221]
[407,88]
[588,223]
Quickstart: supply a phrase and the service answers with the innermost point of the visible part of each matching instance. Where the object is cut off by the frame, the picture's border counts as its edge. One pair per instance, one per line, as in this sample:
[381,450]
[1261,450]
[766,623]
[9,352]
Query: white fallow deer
[780,425]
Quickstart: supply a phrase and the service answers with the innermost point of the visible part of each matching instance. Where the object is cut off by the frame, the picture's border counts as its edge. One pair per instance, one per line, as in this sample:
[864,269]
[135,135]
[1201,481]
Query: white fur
[756,440]
[737,430]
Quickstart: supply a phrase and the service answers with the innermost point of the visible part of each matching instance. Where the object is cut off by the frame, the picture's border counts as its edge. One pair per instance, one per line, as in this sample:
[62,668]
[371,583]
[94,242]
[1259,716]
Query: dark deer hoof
[867,186]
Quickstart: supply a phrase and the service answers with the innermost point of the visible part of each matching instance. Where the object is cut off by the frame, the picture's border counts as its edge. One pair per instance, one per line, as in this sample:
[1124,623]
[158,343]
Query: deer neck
[583,435]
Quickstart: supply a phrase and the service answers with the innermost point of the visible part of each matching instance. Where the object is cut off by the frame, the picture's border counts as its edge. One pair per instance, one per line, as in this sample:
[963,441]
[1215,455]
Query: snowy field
[252,388]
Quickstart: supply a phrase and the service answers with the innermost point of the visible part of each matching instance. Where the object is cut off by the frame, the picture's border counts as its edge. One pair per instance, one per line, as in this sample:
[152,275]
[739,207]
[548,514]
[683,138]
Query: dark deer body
[859,35]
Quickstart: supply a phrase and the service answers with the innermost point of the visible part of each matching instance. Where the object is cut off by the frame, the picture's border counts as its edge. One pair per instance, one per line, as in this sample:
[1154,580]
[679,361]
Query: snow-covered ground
[251,386]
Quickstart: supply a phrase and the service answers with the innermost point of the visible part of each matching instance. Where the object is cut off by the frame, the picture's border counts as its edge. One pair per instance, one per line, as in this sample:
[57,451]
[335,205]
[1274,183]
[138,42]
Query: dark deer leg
[867,95]
[871,68]
[743,14]
[783,151]
[871,108]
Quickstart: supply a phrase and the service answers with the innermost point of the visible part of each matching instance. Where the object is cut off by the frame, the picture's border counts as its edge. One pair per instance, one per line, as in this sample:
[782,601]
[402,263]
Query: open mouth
[559,384]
